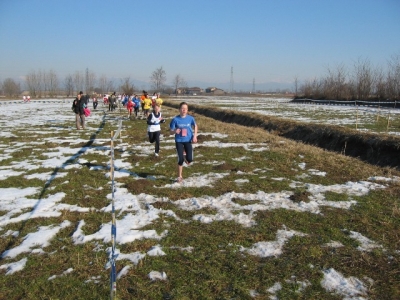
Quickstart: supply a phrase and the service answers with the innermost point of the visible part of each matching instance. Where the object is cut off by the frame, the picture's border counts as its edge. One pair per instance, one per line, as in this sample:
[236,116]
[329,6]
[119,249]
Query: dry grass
[215,268]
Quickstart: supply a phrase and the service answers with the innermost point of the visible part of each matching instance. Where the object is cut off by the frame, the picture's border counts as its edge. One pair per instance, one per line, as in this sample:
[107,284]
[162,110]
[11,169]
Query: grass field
[362,118]
[256,217]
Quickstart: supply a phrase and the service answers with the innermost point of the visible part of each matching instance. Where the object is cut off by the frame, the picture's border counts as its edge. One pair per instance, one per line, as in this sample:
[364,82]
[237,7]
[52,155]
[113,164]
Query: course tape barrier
[389,104]
[113,256]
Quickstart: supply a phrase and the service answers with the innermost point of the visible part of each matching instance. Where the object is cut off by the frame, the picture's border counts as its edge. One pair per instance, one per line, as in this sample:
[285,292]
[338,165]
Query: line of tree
[11,88]
[364,82]
[47,84]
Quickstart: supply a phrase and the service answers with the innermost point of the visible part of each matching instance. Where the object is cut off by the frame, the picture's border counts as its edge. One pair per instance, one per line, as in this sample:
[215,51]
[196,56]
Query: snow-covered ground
[21,204]
[344,115]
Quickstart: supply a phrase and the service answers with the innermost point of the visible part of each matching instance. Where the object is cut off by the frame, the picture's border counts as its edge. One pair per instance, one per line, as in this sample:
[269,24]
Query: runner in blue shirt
[136,100]
[185,129]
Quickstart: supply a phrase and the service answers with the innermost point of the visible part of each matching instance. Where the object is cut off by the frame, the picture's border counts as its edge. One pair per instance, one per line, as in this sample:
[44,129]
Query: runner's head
[183,109]
[157,107]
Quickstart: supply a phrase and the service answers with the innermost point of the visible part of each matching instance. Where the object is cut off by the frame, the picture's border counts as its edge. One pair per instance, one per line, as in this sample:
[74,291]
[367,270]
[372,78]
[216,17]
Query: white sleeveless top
[156,127]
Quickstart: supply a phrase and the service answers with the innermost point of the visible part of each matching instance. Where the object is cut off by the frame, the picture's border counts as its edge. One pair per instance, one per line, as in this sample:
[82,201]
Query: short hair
[183,103]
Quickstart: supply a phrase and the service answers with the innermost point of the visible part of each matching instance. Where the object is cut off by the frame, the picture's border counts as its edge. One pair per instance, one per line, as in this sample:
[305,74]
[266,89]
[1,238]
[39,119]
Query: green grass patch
[204,258]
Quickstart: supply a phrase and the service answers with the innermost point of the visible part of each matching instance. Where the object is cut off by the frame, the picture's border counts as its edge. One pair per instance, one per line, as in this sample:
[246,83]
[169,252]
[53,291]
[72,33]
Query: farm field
[256,217]
[362,118]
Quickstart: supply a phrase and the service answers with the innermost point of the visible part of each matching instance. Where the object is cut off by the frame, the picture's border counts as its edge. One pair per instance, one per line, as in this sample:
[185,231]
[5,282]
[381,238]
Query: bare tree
[363,78]
[33,82]
[380,85]
[393,77]
[45,82]
[105,85]
[87,80]
[365,82]
[312,88]
[333,84]
[158,78]
[69,85]
[339,81]
[52,83]
[351,89]
[110,86]
[327,86]
[305,89]
[91,81]
[79,80]
[178,82]
[127,87]
[11,88]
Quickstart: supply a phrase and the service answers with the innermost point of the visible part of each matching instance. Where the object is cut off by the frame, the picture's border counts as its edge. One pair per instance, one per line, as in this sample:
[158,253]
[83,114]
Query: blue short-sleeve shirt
[186,125]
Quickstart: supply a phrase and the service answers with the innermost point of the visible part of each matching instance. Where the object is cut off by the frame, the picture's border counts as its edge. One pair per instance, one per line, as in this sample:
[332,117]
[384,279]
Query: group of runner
[133,102]
[147,103]
[183,125]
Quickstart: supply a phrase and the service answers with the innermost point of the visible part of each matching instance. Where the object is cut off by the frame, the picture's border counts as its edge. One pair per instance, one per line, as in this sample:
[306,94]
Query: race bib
[184,132]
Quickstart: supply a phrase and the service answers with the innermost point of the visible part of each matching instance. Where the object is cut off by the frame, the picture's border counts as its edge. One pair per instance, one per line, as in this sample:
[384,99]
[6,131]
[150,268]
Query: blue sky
[268,41]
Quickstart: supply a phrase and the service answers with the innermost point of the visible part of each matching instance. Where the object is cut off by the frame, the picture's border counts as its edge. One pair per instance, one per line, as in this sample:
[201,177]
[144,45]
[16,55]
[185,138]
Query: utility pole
[254,86]
[231,87]
[87,81]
